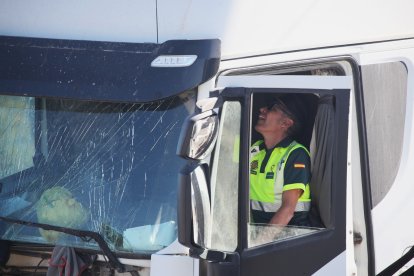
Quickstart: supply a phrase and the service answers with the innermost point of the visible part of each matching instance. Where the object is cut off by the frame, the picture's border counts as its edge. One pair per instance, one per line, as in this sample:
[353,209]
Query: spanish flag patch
[299,165]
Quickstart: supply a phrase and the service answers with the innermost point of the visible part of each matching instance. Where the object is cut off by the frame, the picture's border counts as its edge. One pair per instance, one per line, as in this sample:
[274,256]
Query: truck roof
[245,27]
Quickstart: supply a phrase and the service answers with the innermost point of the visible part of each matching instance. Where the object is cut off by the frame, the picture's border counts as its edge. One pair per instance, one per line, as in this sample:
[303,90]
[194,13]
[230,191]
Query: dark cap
[292,105]
[295,108]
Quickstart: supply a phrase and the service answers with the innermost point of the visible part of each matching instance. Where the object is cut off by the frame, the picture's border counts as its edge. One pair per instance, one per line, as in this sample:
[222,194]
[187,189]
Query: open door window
[323,134]
[215,195]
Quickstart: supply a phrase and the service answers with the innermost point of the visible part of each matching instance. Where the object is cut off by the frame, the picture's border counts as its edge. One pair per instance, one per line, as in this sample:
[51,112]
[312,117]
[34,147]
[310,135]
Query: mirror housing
[198,135]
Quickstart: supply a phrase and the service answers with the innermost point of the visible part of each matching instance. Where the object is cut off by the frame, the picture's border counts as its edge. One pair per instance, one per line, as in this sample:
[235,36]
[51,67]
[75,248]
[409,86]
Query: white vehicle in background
[125,131]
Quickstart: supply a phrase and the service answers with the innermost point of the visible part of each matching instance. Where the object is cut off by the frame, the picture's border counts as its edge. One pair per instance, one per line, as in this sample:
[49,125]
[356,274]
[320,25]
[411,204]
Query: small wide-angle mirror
[198,135]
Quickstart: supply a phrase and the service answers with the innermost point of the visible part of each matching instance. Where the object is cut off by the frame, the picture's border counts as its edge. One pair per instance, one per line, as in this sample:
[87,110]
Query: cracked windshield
[110,168]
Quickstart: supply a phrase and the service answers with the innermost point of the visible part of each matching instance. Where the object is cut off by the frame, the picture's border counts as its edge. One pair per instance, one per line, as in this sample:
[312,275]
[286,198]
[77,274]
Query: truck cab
[128,139]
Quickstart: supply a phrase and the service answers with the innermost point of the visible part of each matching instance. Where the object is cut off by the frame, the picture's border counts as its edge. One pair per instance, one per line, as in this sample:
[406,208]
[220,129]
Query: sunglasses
[279,105]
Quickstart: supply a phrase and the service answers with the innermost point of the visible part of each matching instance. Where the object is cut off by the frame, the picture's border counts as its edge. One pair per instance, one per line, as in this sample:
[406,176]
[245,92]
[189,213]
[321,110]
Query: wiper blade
[112,258]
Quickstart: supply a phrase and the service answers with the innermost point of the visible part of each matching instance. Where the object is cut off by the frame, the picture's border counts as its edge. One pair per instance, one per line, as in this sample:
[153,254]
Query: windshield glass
[110,168]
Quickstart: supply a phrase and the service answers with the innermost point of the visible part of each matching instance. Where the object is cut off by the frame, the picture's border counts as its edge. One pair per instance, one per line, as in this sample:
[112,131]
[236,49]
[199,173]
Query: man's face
[272,120]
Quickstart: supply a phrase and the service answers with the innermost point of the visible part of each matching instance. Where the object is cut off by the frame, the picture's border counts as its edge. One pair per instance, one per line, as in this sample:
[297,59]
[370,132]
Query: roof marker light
[174,61]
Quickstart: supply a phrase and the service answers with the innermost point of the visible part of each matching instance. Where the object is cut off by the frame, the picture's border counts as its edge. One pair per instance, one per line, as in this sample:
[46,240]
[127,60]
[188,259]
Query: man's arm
[297,171]
[285,213]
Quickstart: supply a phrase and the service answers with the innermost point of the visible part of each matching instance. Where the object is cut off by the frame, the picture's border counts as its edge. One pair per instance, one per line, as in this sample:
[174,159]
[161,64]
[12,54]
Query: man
[279,166]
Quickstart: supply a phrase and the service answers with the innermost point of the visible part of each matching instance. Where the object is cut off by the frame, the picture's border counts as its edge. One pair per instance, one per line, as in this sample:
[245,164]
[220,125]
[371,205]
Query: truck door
[214,213]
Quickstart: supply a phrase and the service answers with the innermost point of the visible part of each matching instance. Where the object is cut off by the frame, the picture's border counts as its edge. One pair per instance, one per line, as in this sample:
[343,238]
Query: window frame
[259,253]
[336,234]
[344,65]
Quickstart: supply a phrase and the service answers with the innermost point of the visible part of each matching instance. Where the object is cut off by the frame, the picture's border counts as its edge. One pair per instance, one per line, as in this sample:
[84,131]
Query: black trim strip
[244,209]
[395,266]
[364,160]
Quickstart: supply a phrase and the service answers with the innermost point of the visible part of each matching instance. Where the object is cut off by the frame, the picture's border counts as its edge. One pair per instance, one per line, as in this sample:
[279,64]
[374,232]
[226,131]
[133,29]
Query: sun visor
[105,71]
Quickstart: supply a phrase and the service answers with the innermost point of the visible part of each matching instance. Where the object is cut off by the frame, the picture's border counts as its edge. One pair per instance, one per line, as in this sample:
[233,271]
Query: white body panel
[249,27]
[104,20]
[245,27]
[174,265]
[392,217]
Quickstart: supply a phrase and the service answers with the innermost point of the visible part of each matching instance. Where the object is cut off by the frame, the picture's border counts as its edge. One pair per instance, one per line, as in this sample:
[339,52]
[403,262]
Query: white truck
[125,134]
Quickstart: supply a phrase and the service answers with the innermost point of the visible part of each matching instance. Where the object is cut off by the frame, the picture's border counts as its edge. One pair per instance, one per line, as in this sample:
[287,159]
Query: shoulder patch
[254,165]
[299,166]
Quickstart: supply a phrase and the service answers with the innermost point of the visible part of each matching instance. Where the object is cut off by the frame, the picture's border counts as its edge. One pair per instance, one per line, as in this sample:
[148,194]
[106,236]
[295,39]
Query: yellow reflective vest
[267,186]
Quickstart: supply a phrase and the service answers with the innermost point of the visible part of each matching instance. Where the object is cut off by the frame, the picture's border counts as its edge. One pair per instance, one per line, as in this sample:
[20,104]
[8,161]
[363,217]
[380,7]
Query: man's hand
[285,213]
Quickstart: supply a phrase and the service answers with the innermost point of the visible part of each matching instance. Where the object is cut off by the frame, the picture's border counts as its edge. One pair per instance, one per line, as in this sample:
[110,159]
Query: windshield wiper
[112,258]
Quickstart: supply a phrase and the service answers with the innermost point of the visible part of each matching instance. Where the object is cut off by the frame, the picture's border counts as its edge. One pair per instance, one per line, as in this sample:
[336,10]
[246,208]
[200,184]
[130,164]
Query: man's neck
[271,141]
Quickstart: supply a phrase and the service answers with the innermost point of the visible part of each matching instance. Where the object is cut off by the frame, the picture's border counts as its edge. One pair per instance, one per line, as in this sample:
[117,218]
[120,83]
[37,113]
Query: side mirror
[198,135]
[194,213]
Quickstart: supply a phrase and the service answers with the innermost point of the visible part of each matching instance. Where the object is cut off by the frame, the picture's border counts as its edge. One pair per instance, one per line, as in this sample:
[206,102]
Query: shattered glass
[110,168]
